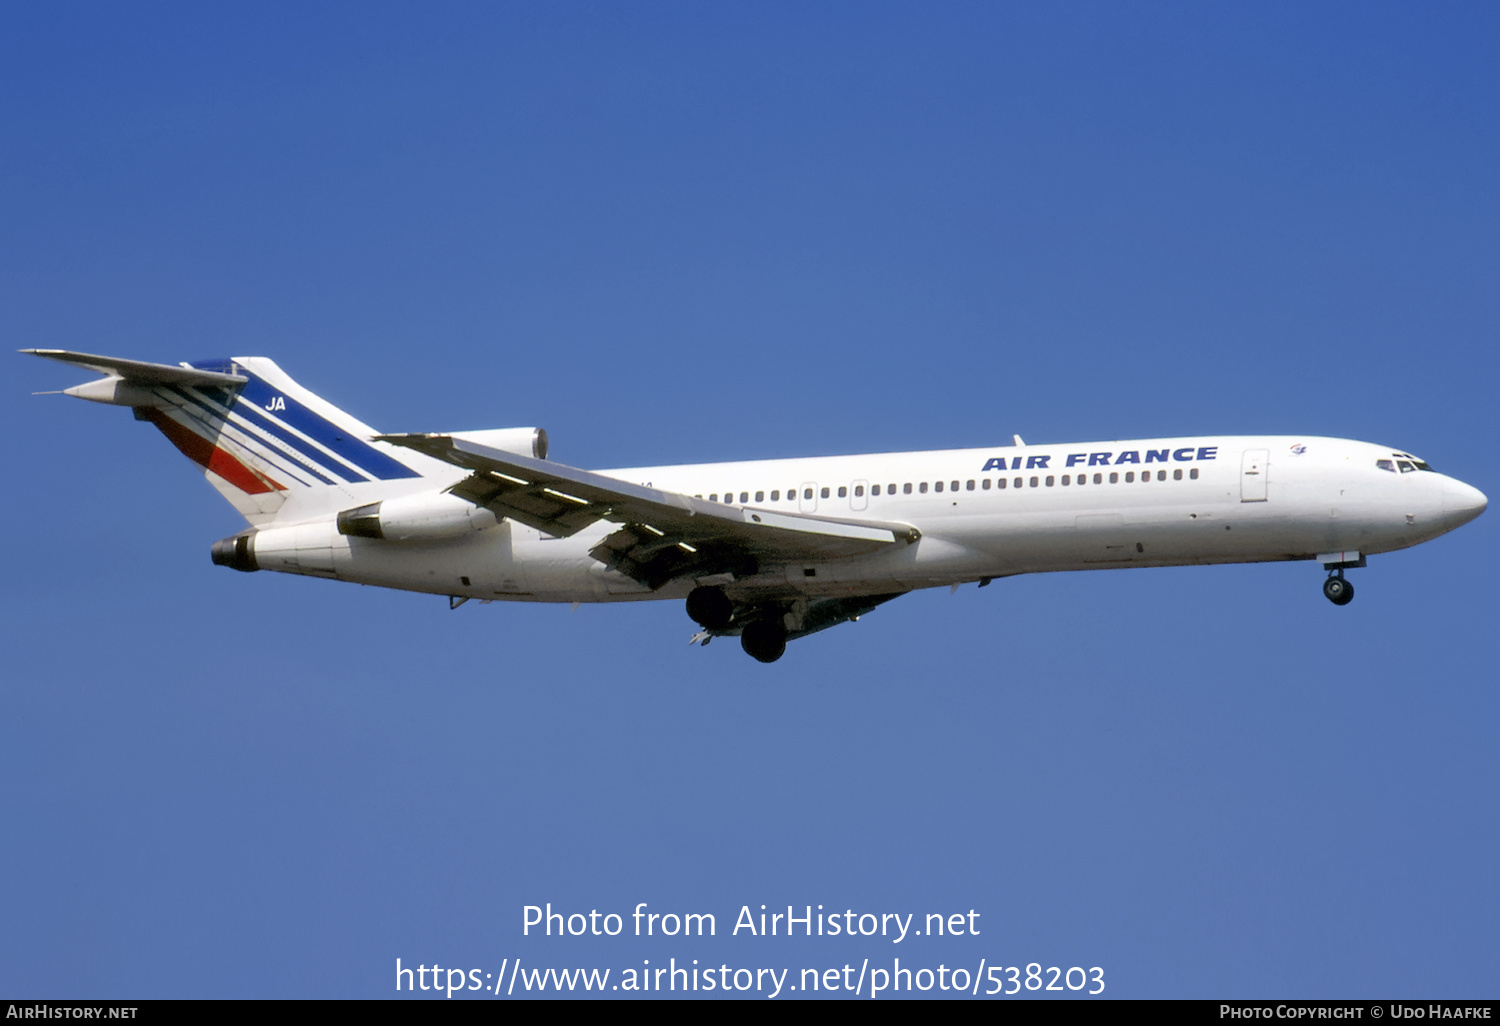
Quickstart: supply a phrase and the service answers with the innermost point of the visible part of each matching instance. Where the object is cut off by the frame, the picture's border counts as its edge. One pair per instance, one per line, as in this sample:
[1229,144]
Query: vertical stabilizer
[272,448]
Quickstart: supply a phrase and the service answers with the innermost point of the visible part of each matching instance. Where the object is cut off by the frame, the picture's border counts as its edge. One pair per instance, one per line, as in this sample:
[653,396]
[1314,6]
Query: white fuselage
[1160,502]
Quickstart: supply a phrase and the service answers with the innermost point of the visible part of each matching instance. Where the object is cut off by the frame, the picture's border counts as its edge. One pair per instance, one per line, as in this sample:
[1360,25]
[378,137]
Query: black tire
[764,640]
[710,608]
[1339,591]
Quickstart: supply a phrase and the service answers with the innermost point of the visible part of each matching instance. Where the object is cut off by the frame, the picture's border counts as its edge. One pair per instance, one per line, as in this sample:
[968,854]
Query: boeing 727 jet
[771,550]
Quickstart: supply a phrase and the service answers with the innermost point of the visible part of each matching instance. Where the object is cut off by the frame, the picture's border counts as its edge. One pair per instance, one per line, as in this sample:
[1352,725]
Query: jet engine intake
[521,441]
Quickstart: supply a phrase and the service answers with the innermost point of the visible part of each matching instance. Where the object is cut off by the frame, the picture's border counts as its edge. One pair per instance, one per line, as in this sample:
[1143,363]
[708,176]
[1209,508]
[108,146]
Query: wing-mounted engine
[432,516]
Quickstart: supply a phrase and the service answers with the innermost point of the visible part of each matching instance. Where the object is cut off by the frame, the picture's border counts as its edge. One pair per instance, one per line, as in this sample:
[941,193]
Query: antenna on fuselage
[1017,439]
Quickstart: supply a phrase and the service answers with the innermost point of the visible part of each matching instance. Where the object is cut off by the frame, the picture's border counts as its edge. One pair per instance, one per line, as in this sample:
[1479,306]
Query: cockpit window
[1406,468]
[1420,465]
[1386,465]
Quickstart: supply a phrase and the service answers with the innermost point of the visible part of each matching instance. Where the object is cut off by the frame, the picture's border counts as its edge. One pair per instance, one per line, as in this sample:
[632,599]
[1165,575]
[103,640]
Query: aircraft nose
[1461,502]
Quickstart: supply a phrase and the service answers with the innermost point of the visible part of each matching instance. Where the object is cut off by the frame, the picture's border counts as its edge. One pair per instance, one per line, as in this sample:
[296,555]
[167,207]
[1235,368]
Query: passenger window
[807,493]
[1114,477]
[714,497]
[1129,477]
[1098,479]
[776,495]
[1161,475]
[906,488]
[1406,468]
[744,496]
[1050,480]
[760,496]
[1177,474]
[1021,480]
[938,487]
[922,487]
[843,492]
[823,492]
[890,489]
[954,486]
[1083,479]
[1033,482]
[986,484]
[1066,480]
[874,489]
[969,486]
[859,490]
[1193,473]
[1000,482]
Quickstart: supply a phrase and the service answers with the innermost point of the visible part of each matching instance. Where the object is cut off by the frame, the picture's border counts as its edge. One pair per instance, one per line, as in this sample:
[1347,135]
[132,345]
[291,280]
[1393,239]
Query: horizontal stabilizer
[138,372]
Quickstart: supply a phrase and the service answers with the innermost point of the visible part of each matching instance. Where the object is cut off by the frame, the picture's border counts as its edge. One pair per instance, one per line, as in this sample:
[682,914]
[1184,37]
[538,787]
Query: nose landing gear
[1338,590]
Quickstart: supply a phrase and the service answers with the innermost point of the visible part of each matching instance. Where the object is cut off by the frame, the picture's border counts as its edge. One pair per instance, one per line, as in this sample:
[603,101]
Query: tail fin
[271,447]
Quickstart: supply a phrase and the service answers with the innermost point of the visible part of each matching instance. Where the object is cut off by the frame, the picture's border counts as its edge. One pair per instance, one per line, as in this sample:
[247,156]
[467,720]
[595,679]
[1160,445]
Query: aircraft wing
[663,535]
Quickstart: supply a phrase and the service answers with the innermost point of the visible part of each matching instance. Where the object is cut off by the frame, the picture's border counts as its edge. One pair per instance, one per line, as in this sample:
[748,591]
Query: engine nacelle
[430,517]
[521,441]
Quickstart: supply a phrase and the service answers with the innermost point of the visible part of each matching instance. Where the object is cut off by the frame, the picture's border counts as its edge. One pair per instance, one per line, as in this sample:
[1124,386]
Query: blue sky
[674,233]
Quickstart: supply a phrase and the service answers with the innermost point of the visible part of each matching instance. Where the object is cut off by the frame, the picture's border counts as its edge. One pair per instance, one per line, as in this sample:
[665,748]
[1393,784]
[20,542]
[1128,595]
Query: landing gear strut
[1338,591]
[764,640]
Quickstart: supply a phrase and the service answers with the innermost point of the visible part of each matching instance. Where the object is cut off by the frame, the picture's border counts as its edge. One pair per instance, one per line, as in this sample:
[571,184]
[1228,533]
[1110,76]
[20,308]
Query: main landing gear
[763,637]
[764,640]
[1338,590]
[710,608]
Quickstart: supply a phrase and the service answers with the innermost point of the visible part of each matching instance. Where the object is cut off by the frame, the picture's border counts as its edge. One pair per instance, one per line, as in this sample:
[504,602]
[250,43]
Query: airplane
[769,550]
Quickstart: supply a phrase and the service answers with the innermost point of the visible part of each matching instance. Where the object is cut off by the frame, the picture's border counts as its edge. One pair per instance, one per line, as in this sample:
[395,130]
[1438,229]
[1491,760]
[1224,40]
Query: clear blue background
[684,232]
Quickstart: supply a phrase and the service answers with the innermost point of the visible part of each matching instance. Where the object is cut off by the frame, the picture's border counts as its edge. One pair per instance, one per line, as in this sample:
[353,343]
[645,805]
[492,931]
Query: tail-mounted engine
[415,518]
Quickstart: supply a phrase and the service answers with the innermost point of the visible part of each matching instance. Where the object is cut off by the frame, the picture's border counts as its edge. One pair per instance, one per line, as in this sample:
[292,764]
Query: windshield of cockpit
[1402,463]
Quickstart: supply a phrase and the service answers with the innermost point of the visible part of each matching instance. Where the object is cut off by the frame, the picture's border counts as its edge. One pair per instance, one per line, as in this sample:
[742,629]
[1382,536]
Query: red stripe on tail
[209,456]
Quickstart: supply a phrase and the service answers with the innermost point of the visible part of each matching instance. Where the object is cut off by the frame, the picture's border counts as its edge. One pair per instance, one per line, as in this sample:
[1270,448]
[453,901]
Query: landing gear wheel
[1338,591]
[710,608]
[764,640]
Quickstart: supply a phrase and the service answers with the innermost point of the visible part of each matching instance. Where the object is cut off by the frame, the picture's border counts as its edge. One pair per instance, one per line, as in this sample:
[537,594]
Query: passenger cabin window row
[1002,483]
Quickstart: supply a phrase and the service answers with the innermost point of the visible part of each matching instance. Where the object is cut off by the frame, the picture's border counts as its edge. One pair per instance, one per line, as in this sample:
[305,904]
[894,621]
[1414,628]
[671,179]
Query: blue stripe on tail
[356,452]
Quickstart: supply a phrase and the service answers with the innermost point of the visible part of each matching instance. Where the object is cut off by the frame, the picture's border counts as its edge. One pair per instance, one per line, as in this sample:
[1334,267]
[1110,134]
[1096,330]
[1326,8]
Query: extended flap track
[654,558]
[548,510]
